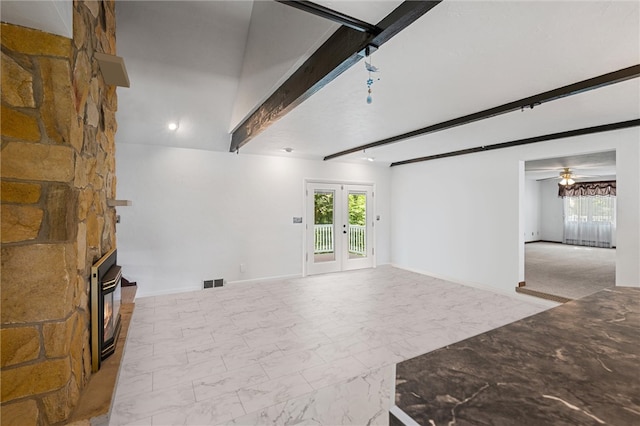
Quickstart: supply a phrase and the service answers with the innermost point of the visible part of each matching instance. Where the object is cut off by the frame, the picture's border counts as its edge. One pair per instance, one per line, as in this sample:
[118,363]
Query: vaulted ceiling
[207,64]
[464,57]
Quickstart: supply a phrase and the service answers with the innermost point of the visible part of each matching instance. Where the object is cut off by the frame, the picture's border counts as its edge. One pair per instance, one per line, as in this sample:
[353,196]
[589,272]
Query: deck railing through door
[323,239]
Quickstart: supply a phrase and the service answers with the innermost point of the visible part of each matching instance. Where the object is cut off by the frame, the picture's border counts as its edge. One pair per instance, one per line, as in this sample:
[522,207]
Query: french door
[339,227]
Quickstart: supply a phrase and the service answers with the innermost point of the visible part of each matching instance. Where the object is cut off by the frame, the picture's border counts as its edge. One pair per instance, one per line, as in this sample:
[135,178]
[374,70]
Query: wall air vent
[113,70]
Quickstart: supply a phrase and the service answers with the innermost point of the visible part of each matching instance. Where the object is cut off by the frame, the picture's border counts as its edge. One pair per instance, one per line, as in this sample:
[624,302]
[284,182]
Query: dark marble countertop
[576,364]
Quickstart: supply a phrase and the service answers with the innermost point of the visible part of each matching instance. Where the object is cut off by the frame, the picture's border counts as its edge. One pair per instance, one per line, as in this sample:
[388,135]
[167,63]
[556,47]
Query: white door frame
[371,217]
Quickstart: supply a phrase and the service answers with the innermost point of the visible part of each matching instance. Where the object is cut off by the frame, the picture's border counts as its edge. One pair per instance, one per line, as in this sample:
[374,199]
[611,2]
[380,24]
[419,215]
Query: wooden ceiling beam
[528,102]
[332,15]
[535,139]
[335,56]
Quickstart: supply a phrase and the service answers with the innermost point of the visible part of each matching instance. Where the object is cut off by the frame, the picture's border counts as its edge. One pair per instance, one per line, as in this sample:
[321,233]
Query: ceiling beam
[332,15]
[331,59]
[529,102]
[535,139]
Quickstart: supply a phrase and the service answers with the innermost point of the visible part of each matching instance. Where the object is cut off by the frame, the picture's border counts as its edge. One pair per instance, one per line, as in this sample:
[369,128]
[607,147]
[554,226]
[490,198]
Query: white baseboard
[514,295]
[257,280]
[166,292]
[480,286]
[190,289]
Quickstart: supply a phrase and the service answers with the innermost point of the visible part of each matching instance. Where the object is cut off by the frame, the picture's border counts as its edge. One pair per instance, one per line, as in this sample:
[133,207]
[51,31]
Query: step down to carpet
[543,295]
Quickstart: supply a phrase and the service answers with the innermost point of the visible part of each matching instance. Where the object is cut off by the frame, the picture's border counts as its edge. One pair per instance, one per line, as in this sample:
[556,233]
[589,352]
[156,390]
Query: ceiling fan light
[570,181]
[563,181]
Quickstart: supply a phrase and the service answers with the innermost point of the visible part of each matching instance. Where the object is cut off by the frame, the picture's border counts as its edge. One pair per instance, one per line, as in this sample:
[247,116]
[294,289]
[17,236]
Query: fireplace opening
[106,278]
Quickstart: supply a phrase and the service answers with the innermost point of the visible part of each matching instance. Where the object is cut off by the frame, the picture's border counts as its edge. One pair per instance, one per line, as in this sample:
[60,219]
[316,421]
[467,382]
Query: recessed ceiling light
[369,158]
[287,149]
[173,126]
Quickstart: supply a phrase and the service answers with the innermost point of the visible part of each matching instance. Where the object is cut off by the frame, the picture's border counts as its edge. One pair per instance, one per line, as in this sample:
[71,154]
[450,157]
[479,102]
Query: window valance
[586,189]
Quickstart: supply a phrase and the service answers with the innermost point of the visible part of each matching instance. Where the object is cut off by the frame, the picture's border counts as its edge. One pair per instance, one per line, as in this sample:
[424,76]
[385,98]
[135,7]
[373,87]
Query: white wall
[551,212]
[628,214]
[52,16]
[183,63]
[469,230]
[532,210]
[198,215]
[466,230]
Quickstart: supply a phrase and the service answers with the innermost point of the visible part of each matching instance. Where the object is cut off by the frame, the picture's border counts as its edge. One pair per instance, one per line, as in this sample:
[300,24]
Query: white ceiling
[463,57]
[271,55]
[185,61]
[365,10]
[583,166]
[52,16]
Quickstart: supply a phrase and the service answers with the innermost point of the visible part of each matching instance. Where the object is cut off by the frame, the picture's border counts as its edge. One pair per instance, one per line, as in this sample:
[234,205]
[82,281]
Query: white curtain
[590,221]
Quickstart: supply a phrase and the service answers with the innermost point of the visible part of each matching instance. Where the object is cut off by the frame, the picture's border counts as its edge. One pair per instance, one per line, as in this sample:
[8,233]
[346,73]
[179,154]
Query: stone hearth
[96,401]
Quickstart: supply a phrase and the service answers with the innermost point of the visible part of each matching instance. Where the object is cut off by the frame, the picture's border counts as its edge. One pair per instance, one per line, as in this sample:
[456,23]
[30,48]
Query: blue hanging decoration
[370,68]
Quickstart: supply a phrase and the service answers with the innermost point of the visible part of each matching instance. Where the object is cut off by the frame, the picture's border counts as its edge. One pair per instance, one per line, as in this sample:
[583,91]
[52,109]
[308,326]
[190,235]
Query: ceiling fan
[566,177]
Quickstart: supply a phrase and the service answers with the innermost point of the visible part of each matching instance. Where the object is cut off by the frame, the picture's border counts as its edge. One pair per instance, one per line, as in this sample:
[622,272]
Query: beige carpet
[568,271]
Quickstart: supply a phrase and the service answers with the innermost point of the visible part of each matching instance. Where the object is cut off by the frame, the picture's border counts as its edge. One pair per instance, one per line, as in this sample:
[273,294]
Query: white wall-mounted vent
[113,70]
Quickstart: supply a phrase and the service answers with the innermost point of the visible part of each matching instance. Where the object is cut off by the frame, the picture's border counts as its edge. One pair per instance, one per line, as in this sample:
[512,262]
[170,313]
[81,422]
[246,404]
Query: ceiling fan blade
[561,168]
[587,176]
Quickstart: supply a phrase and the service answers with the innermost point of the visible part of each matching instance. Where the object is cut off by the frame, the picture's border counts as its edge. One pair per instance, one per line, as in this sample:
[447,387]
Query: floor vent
[214,283]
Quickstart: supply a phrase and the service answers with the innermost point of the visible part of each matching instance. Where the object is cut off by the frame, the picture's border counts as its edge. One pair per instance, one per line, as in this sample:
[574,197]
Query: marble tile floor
[314,350]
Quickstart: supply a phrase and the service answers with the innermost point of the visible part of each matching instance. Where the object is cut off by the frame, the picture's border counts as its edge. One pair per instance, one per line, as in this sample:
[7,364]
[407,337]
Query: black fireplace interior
[105,307]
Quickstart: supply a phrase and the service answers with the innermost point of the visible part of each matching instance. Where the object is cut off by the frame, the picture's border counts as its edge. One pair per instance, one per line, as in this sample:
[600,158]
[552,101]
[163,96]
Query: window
[590,220]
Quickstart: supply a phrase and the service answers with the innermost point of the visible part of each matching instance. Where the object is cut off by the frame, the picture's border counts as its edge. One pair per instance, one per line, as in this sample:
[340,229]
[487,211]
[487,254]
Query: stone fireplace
[58,171]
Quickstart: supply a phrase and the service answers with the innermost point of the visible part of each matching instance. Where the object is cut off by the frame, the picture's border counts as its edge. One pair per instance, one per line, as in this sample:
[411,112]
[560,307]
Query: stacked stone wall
[57,173]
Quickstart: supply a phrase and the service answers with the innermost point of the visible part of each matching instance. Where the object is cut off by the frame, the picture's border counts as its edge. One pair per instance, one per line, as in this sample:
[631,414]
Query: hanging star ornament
[370,69]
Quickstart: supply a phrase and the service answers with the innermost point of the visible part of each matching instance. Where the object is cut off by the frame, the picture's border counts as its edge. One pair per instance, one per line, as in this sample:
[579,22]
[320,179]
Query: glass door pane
[357,225]
[108,321]
[323,226]
[324,239]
